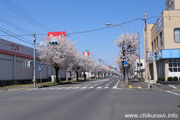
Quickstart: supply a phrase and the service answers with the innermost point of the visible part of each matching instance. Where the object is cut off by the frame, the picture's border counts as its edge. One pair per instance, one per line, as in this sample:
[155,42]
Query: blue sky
[82,15]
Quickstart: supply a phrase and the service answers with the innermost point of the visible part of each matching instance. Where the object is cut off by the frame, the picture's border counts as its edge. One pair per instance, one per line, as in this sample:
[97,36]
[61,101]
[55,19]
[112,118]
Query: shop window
[174,65]
[170,69]
[170,64]
[177,35]
[170,60]
[175,69]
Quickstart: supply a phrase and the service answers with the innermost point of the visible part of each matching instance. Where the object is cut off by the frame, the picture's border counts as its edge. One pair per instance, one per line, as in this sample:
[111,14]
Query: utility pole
[126,67]
[99,60]
[34,66]
[147,51]
[139,55]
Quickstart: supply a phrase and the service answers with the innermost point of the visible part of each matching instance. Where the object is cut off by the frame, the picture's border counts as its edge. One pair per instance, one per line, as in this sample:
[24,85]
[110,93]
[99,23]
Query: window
[154,43]
[138,64]
[161,38]
[157,42]
[152,46]
[174,65]
[177,34]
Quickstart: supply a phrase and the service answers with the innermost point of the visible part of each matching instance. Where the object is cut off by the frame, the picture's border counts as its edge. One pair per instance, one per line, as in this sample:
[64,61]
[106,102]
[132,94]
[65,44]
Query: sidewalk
[132,84]
[137,84]
[39,85]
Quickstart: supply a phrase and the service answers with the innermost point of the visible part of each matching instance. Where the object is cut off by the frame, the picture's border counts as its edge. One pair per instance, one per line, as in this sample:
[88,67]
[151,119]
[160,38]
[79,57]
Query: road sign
[125,64]
[40,67]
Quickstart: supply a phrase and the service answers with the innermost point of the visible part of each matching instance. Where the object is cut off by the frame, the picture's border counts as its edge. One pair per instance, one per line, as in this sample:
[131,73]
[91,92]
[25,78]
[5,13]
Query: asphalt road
[92,100]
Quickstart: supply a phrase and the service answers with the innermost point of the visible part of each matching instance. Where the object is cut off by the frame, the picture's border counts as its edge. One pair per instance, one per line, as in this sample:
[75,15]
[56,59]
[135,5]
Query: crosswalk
[74,88]
[96,85]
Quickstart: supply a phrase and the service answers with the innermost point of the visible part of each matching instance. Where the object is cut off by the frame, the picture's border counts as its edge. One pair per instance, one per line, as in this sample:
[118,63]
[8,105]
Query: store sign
[56,35]
[159,23]
[14,47]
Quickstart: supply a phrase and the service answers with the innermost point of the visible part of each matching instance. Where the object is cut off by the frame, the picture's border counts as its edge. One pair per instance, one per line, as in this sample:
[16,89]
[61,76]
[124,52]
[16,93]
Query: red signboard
[86,53]
[55,35]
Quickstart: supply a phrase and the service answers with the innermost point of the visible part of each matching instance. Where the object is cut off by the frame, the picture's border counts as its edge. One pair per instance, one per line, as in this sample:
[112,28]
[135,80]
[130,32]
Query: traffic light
[28,64]
[156,55]
[24,63]
[52,42]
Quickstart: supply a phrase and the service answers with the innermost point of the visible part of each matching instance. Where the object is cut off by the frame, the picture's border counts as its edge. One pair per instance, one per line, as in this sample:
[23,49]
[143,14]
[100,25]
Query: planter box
[168,82]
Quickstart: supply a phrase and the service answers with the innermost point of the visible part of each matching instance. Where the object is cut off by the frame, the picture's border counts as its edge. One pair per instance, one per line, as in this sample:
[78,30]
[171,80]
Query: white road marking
[91,87]
[106,87]
[83,88]
[75,87]
[67,87]
[99,87]
[173,86]
[116,85]
[173,93]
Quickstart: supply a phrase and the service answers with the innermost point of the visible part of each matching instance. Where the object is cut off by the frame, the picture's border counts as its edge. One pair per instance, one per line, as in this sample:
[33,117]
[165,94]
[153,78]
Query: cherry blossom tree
[131,41]
[82,64]
[60,56]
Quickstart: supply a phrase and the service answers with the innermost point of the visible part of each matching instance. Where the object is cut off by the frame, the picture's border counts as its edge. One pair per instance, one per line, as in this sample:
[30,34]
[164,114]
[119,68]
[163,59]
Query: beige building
[164,43]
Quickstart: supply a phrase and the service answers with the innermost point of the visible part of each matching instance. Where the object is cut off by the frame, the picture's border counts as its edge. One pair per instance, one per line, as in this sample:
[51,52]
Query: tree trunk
[77,76]
[56,70]
[84,76]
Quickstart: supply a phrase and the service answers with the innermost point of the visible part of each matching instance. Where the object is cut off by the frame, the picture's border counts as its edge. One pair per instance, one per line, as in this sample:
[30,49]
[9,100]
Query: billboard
[55,35]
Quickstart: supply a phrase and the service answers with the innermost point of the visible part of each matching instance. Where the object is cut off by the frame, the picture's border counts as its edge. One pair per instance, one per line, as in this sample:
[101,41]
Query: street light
[108,24]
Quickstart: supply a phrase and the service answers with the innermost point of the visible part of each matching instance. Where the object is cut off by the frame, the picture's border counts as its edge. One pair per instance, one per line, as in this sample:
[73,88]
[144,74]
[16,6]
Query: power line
[22,15]
[11,24]
[40,24]
[13,35]
[93,30]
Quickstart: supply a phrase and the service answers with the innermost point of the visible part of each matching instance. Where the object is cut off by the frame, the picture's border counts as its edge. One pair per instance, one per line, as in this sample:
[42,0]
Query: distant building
[12,56]
[164,43]
[140,68]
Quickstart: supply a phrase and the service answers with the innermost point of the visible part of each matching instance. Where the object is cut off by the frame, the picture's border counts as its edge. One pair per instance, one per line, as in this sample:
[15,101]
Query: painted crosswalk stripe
[99,87]
[106,87]
[75,87]
[83,87]
[91,87]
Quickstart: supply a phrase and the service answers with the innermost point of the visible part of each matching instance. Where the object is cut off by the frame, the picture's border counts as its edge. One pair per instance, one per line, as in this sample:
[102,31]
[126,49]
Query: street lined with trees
[64,54]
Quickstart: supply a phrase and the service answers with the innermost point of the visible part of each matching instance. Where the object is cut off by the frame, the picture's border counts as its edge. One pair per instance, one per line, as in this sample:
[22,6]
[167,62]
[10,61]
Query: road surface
[92,100]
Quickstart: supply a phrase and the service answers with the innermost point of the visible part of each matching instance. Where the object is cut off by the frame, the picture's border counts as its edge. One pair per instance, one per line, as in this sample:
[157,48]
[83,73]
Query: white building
[140,68]
[12,56]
